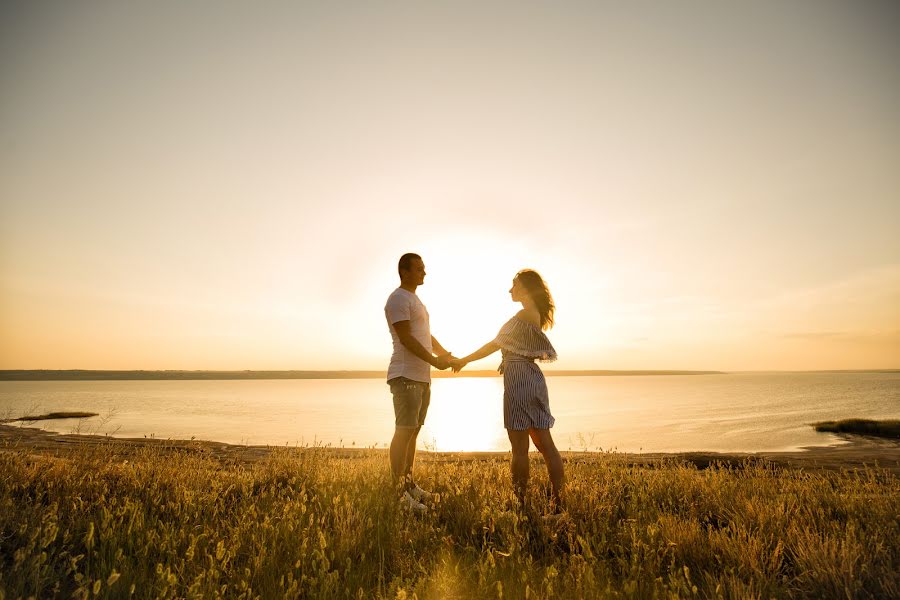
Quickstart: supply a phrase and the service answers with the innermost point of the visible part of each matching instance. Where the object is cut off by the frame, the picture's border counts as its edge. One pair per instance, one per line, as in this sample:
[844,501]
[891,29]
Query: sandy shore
[859,451]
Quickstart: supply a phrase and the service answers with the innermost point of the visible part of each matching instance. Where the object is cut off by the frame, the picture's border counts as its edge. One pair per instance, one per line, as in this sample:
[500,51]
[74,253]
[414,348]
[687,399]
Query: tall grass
[170,523]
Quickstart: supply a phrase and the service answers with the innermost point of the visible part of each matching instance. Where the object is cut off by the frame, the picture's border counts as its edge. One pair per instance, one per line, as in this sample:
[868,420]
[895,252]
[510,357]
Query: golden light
[466,414]
[467,288]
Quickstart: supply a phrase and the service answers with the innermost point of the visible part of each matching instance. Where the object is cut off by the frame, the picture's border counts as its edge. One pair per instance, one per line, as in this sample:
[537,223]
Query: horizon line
[210,374]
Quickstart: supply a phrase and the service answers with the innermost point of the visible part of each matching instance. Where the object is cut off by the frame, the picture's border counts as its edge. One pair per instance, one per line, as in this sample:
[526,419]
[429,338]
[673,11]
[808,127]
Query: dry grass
[169,523]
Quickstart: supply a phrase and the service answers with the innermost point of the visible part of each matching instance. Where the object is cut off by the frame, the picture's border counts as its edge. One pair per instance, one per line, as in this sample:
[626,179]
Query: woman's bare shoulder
[533,317]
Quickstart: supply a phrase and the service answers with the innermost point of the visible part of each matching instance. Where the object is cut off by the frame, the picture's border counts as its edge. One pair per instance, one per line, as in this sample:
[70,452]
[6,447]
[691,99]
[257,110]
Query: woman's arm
[486,350]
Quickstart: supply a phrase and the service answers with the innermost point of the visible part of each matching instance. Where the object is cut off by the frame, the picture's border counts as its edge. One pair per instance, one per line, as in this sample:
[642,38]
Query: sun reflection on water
[466,415]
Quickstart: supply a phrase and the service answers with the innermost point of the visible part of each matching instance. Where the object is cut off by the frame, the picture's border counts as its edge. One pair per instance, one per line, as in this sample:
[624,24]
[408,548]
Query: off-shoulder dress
[526,402]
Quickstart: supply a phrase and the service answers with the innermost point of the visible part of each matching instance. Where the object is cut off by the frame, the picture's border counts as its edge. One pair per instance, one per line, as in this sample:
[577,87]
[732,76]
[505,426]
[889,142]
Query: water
[747,412]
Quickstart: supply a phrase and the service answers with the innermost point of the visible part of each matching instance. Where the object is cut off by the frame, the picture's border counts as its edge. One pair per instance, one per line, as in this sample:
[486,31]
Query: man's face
[416,273]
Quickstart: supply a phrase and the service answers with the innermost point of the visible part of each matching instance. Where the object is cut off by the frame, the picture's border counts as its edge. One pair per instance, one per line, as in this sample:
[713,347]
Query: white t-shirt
[403,305]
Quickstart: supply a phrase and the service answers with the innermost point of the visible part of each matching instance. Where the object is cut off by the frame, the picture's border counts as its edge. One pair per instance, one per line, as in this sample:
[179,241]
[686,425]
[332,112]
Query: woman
[526,405]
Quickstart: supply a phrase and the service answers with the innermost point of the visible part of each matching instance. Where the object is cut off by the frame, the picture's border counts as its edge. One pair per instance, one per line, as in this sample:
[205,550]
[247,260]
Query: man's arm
[414,346]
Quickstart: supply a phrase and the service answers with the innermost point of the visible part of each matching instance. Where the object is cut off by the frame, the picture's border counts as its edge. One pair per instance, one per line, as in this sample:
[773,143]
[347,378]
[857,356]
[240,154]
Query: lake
[739,412]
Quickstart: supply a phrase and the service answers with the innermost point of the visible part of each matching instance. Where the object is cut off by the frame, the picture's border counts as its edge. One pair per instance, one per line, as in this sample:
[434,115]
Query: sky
[229,185]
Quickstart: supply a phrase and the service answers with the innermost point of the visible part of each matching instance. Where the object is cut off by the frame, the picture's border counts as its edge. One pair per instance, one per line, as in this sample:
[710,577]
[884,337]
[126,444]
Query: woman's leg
[543,441]
[519,464]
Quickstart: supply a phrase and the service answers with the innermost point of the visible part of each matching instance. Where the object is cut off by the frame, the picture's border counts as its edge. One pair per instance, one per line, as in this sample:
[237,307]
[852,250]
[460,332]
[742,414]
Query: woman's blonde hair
[537,288]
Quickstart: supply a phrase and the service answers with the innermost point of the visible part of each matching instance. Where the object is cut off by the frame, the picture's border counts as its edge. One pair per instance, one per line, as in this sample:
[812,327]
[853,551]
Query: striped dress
[526,403]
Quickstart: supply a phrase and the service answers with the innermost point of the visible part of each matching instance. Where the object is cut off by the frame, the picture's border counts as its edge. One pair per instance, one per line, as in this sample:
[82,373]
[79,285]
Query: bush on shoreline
[167,523]
[53,415]
[886,429]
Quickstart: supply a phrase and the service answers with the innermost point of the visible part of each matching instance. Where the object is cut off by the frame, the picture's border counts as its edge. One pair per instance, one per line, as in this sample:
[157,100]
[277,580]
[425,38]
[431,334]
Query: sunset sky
[229,185]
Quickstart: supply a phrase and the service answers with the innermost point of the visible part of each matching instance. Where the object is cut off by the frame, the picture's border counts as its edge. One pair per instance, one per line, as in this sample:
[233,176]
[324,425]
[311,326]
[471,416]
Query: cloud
[863,303]
[870,337]
[813,335]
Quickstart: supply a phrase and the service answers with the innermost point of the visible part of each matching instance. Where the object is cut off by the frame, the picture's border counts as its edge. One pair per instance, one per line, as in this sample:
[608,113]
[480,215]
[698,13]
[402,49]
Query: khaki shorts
[411,400]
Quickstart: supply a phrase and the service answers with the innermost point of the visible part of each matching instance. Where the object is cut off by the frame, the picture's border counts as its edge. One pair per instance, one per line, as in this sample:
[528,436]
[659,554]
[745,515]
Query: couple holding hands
[526,405]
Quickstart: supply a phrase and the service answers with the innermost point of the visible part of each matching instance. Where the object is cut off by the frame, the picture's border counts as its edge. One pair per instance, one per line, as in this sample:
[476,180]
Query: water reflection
[724,413]
[465,414]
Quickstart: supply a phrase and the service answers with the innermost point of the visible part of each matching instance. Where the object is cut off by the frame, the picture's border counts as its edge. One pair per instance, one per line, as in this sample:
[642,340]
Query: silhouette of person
[526,402]
[409,375]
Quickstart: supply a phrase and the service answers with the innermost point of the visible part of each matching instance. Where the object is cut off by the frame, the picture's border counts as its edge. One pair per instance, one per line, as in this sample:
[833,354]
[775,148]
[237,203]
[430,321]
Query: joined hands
[457,364]
[449,361]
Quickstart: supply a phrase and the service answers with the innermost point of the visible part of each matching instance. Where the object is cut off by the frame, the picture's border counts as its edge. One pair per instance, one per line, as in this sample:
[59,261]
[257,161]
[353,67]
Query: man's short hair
[405,263]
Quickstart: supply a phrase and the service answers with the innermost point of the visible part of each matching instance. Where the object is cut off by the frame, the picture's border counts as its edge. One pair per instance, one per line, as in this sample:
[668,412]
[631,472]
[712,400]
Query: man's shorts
[411,400]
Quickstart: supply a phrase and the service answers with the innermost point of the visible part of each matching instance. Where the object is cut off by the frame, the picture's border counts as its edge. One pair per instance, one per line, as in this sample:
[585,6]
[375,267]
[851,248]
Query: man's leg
[519,463]
[400,462]
[411,454]
[411,400]
[407,400]
[424,403]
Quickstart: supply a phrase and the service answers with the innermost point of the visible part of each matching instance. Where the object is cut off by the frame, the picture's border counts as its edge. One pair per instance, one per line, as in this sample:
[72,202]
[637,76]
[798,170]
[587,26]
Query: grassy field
[160,522]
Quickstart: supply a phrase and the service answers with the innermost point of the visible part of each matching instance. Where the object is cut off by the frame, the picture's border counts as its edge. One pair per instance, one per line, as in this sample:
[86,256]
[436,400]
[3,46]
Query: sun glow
[469,420]
[467,288]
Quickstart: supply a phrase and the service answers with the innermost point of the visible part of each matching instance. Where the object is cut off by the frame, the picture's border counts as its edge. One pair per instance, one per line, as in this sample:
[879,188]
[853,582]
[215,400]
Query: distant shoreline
[112,375]
[99,375]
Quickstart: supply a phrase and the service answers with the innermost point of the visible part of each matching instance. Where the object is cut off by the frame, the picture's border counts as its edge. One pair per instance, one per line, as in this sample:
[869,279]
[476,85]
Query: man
[409,375]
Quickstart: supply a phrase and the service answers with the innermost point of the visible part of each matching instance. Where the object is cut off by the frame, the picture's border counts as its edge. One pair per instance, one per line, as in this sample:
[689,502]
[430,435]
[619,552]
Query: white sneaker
[410,503]
[418,493]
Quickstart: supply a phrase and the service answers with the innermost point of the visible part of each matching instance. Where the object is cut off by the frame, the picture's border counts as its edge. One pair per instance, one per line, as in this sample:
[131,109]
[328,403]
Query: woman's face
[517,291]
